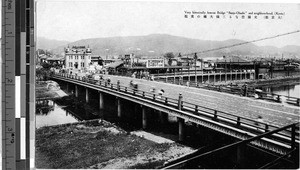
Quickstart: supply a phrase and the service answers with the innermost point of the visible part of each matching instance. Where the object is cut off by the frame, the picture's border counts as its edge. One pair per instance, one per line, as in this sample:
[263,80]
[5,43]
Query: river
[291,90]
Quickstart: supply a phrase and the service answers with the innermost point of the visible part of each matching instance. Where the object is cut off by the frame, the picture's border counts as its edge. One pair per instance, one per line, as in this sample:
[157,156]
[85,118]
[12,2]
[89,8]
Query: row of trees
[44,72]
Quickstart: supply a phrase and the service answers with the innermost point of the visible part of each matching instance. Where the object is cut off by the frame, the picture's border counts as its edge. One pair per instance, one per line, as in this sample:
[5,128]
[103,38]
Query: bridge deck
[272,113]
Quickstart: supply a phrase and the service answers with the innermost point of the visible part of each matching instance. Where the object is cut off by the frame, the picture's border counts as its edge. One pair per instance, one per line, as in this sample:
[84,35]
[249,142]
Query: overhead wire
[246,42]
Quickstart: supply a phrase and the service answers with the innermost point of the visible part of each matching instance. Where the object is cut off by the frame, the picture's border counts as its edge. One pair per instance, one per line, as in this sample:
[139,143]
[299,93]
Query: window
[82,57]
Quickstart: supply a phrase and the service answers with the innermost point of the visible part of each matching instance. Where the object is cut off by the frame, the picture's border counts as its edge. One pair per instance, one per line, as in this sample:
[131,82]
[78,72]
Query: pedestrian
[152,89]
[259,122]
[160,93]
[188,83]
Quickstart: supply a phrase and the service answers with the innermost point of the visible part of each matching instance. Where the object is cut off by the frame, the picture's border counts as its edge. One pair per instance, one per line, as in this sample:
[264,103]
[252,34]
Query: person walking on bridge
[160,93]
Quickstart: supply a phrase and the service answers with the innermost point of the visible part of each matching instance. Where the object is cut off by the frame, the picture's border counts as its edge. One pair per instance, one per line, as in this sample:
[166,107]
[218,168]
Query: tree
[46,65]
[169,56]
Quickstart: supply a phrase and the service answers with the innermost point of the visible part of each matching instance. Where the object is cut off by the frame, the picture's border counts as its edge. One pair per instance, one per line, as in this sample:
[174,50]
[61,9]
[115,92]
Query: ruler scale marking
[18,48]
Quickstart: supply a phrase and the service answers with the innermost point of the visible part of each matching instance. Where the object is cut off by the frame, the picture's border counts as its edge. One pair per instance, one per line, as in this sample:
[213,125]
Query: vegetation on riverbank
[99,144]
[41,91]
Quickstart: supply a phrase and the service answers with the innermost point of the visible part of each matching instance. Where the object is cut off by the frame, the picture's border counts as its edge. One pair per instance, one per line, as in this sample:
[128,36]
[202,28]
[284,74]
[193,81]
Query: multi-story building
[77,57]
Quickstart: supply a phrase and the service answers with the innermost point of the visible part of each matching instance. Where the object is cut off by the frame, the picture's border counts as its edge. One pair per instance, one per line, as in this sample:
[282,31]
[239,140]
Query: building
[77,57]
[234,63]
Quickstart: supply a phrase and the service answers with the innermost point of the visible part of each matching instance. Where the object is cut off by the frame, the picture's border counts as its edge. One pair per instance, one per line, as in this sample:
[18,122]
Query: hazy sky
[74,20]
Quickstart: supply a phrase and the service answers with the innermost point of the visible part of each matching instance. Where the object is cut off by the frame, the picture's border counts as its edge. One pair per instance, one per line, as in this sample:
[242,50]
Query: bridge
[228,114]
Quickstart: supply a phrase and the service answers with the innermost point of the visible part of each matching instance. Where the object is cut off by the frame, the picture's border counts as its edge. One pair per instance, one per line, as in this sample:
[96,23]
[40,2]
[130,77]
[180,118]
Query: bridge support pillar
[86,95]
[181,127]
[119,107]
[241,78]
[240,156]
[215,77]
[76,91]
[163,117]
[144,117]
[67,86]
[101,104]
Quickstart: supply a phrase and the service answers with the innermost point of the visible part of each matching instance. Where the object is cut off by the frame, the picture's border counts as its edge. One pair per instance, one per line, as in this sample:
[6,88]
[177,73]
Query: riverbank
[100,144]
[48,89]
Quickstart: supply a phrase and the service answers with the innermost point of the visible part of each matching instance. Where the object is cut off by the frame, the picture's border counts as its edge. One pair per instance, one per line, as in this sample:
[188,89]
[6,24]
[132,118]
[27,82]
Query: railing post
[278,98]
[266,128]
[143,94]
[125,89]
[180,101]
[298,102]
[166,100]
[118,85]
[111,86]
[153,96]
[293,137]
[196,109]
[238,121]
[215,115]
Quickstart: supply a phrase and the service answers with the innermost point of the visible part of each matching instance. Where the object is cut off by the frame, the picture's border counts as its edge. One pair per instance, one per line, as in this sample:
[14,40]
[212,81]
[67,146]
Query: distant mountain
[162,43]
[291,49]
[44,43]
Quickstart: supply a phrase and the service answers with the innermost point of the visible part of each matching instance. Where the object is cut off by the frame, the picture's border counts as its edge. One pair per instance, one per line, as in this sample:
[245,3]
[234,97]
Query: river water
[292,90]
[50,113]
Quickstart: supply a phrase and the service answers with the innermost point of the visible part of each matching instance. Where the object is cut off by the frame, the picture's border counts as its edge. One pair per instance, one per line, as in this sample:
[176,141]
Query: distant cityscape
[82,58]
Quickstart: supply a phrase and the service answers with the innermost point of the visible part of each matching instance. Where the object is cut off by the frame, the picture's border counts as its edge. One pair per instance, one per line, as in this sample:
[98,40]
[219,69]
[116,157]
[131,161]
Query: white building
[77,58]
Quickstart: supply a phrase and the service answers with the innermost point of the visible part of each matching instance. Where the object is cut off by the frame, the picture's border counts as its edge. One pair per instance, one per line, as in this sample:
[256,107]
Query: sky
[75,20]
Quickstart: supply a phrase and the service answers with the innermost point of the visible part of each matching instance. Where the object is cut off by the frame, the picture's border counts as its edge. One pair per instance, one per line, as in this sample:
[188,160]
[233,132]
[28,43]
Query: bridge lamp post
[195,57]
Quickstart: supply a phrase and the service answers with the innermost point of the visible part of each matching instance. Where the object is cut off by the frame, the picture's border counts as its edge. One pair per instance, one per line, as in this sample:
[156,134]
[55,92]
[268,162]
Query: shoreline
[162,149]
[112,146]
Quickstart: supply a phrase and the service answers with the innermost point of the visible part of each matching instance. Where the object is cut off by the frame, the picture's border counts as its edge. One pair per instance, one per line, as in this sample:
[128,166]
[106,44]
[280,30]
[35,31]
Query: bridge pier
[241,75]
[144,117]
[163,117]
[67,86]
[76,91]
[240,156]
[215,77]
[86,95]
[119,107]
[101,101]
[181,127]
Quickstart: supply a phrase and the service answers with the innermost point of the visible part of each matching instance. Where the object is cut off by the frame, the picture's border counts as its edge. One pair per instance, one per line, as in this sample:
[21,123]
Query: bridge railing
[198,157]
[240,91]
[240,122]
[237,121]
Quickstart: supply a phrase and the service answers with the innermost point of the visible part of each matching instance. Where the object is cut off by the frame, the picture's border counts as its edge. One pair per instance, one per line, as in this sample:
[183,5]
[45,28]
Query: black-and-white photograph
[158,85]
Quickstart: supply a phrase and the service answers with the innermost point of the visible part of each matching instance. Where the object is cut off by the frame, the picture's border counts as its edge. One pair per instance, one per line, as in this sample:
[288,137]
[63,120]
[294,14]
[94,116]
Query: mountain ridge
[162,43]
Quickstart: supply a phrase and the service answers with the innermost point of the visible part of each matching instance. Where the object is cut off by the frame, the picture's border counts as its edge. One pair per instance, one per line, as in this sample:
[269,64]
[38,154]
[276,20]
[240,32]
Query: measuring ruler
[18,79]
